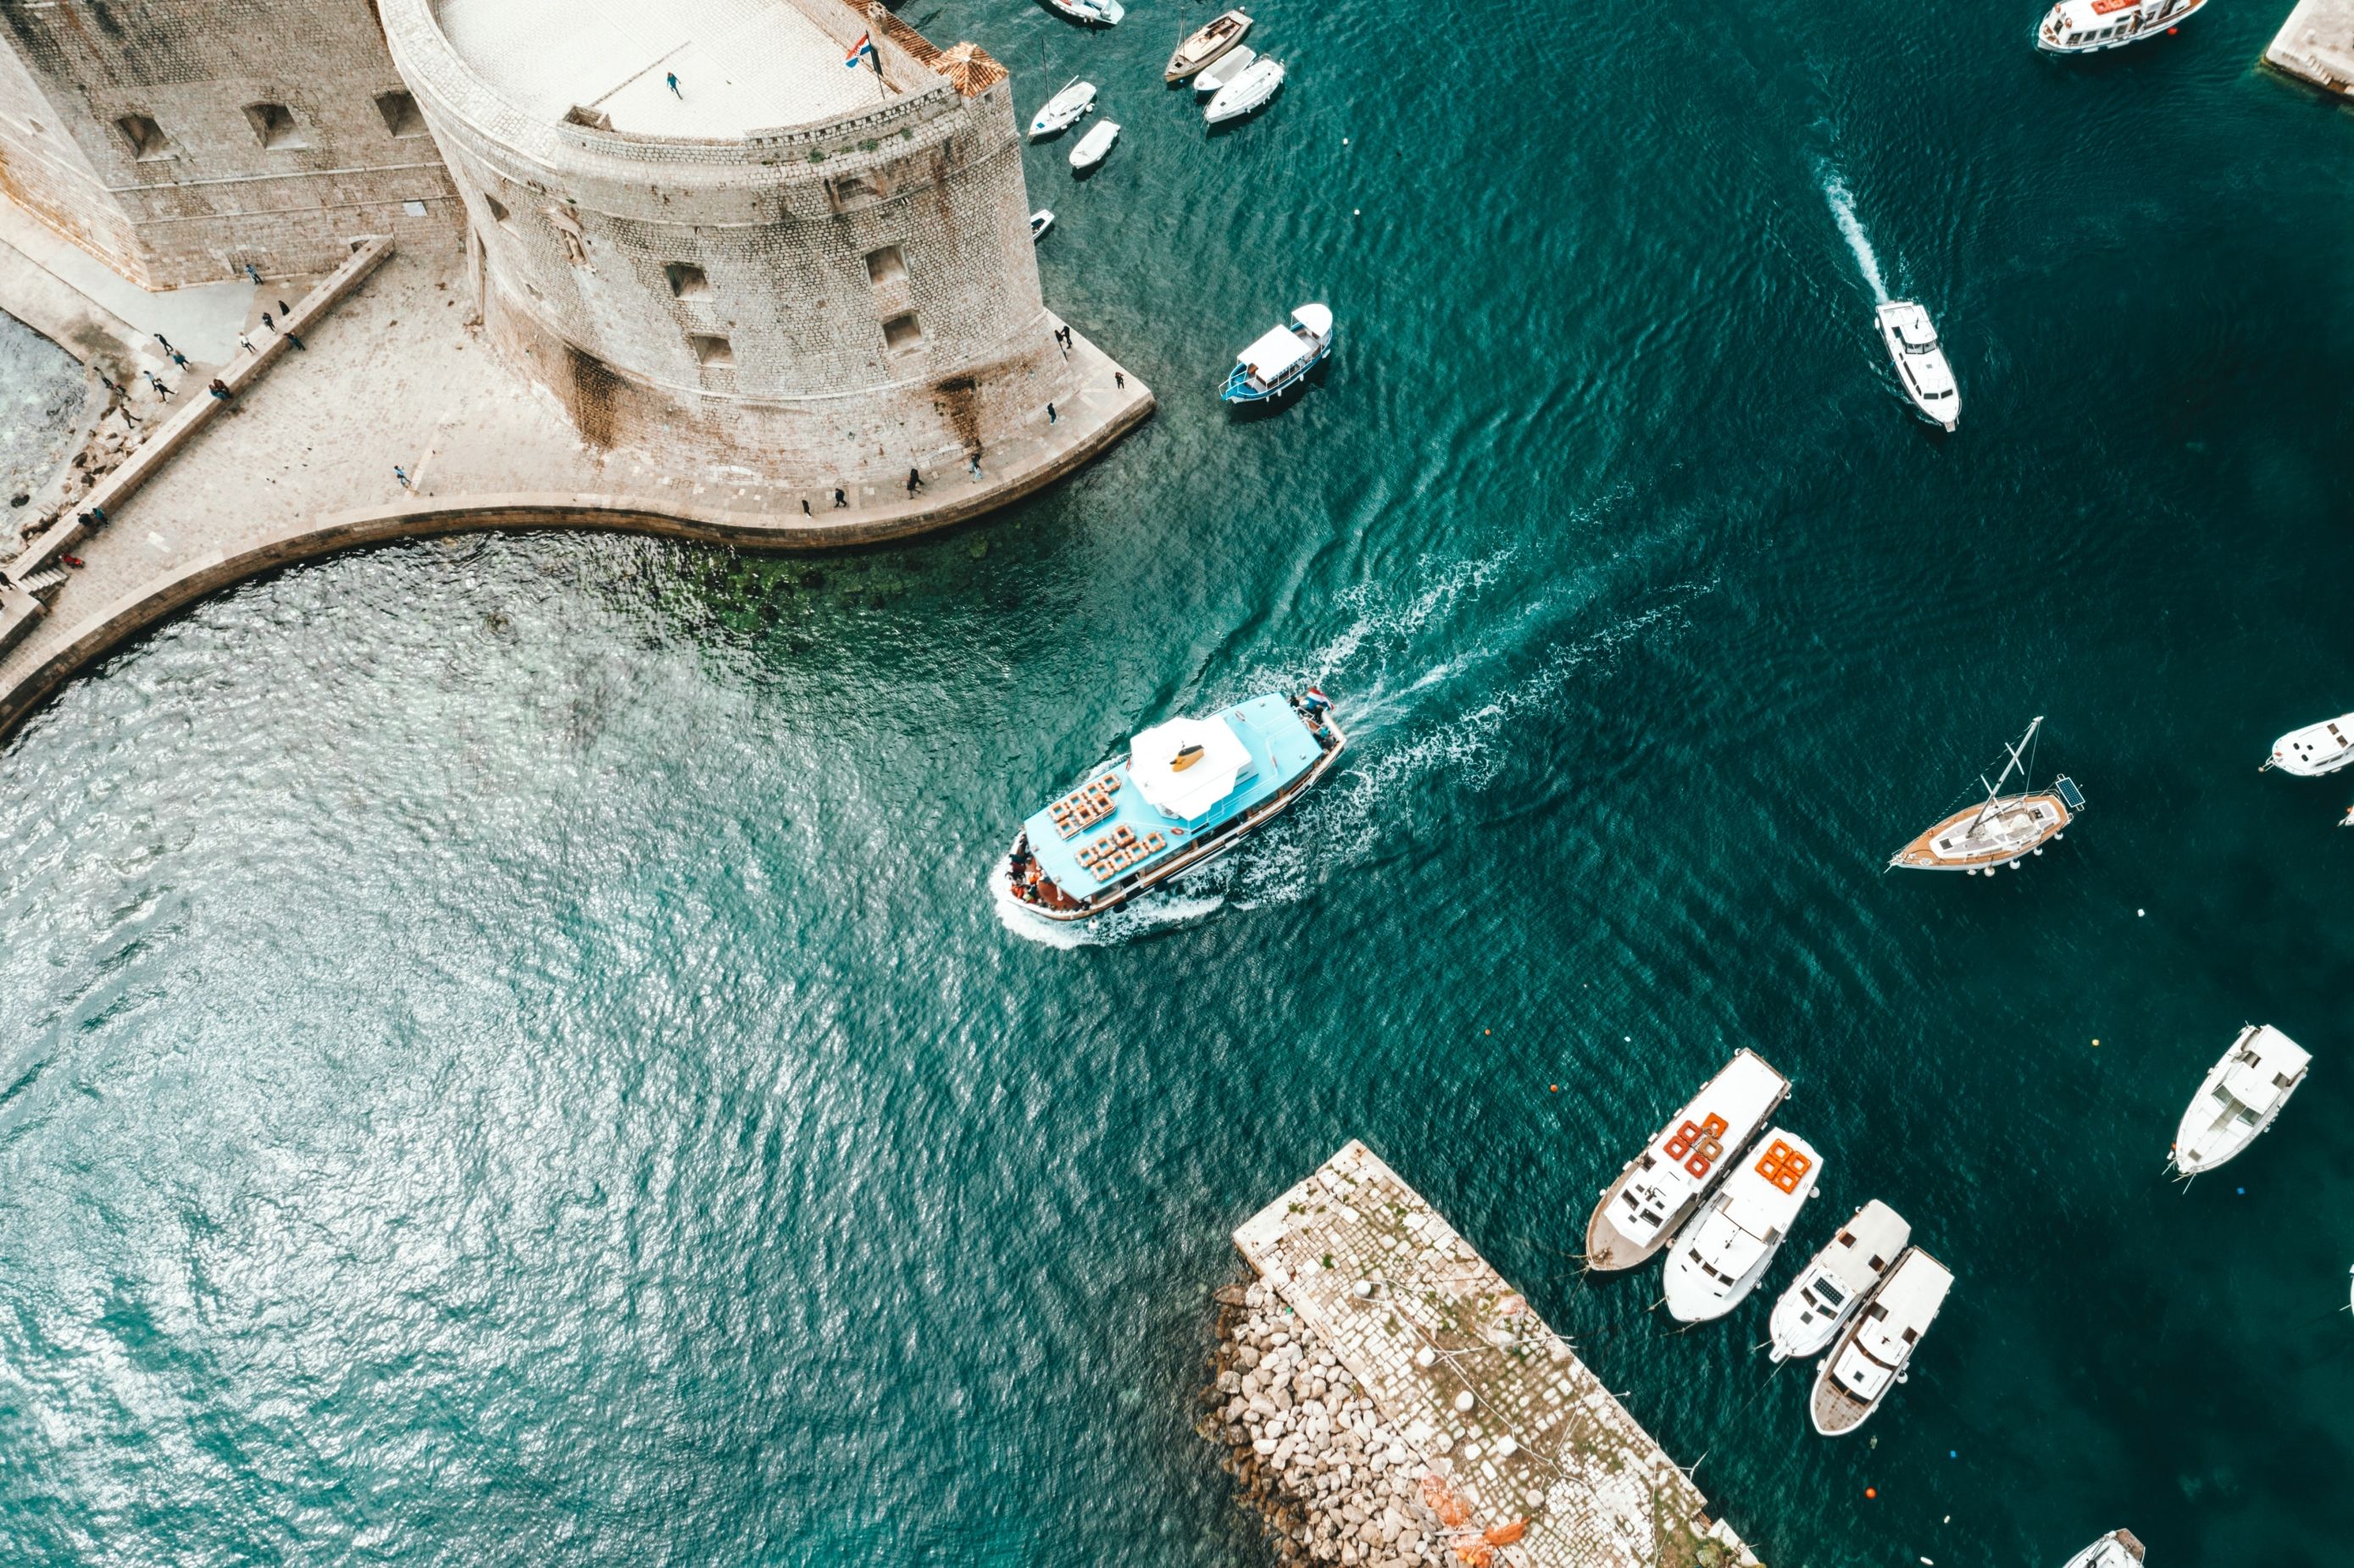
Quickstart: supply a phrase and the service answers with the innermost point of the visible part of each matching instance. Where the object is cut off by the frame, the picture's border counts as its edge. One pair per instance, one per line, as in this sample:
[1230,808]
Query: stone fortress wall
[847,297]
[180,140]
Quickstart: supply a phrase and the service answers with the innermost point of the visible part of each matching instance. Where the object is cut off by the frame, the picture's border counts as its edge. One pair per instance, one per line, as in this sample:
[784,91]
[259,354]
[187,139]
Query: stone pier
[2316,45]
[1497,1444]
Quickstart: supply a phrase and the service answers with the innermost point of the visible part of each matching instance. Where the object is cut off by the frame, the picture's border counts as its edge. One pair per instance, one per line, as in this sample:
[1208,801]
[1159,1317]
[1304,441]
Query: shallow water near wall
[507,1050]
[40,398]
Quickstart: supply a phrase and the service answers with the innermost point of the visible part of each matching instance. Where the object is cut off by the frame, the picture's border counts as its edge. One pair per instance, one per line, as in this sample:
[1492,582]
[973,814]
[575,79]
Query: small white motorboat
[1247,92]
[1871,1355]
[1920,359]
[1718,1260]
[1094,145]
[2316,749]
[2118,1549]
[1040,222]
[2086,27]
[1091,13]
[2241,1095]
[1207,44]
[1214,76]
[1828,1291]
[1063,110]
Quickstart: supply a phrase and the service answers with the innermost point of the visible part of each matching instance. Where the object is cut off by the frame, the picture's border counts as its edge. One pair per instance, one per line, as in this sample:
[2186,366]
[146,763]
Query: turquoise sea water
[506,1054]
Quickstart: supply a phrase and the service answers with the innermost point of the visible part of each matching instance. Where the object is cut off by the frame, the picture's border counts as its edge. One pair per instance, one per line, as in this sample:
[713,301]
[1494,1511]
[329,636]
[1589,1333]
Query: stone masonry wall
[279,134]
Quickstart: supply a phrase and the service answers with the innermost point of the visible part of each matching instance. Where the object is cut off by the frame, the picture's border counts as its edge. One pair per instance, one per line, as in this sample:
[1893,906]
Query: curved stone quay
[1390,1399]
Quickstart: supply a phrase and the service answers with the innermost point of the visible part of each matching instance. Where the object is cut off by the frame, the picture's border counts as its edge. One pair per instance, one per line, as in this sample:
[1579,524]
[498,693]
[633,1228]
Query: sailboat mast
[1994,791]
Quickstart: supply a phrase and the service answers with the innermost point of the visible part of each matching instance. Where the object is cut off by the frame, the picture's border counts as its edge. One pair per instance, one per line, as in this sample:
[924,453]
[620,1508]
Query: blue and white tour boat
[1280,361]
[1188,790]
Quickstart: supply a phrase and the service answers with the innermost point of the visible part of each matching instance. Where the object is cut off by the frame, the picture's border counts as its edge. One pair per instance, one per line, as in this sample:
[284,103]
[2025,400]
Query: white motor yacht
[1214,76]
[1093,146]
[2316,749]
[1063,110]
[1247,91]
[1920,359]
[2086,27]
[1828,1291]
[1719,1258]
[1870,1357]
[2241,1095]
[2118,1549]
[1684,1161]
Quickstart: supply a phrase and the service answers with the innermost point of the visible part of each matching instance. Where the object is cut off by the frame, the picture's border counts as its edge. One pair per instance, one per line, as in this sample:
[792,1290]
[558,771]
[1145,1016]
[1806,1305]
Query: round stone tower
[777,238]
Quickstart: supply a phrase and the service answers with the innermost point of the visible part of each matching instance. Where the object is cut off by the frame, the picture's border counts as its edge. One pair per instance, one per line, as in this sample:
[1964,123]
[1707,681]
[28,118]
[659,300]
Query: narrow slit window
[274,124]
[499,214]
[687,281]
[146,137]
[400,115]
[712,351]
[888,265]
[903,333]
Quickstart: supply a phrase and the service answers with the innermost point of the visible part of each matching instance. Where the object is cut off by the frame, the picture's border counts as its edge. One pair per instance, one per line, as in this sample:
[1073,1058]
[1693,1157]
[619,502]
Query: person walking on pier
[297,342]
[1050,413]
[401,474]
[252,274]
[179,359]
[166,343]
[266,325]
[976,462]
[157,382]
[915,483]
[247,343]
[838,500]
[805,511]
[673,78]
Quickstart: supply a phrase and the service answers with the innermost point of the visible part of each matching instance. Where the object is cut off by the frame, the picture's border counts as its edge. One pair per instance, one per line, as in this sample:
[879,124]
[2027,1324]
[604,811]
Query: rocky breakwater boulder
[1333,1481]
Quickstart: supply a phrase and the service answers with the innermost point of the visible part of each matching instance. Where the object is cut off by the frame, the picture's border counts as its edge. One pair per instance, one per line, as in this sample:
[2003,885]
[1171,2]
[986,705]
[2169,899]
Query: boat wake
[1163,909]
[1835,192]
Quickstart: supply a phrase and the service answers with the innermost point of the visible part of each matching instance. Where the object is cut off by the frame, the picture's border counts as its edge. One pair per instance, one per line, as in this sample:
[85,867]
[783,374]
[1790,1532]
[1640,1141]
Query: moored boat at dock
[1247,91]
[2002,829]
[1223,69]
[2316,749]
[1831,1290]
[1208,42]
[1684,1162]
[2118,1549]
[1186,792]
[1920,360]
[2240,1096]
[2087,27]
[1279,360]
[1719,1258]
[1870,1357]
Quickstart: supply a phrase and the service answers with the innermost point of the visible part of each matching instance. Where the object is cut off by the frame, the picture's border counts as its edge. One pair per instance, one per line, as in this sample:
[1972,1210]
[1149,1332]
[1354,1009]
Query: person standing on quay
[401,474]
[915,483]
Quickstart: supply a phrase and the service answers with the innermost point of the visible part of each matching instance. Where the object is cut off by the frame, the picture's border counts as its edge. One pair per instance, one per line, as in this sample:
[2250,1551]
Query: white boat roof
[1185,793]
[1226,67]
[1911,322]
[1877,1235]
[1763,1205]
[1098,140]
[1892,1323]
[1739,1099]
[1274,354]
[2259,1073]
[2084,15]
[1317,319]
[2325,739]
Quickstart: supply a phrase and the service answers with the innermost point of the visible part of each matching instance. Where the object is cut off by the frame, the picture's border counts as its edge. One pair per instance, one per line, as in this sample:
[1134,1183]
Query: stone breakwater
[1388,1399]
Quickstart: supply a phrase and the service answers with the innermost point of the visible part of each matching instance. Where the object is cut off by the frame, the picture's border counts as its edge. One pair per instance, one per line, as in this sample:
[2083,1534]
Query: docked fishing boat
[1063,110]
[2316,749]
[1871,1355]
[1187,792]
[2241,1095]
[1214,76]
[2087,27]
[1247,91]
[2002,829]
[1089,13]
[1207,44]
[1682,1163]
[2118,1549]
[1719,1258]
[1281,361]
[1829,1291]
[1920,358]
[1040,222]
[1093,146]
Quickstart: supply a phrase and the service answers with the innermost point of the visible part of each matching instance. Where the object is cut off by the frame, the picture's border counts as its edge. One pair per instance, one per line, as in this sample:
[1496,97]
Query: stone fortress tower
[714,240]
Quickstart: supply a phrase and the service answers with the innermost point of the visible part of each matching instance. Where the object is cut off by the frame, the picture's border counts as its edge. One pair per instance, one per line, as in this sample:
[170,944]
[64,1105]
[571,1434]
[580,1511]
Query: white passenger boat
[2002,830]
[1870,1357]
[1829,1291]
[1040,222]
[1279,360]
[1089,13]
[1719,1258]
[2316,749]
[1063,110]
[1682,1163]
[2241,1095]
[1094,145]
[1920,360]
[2118,1549]
[1247,92]
[1212,40]
[2086,27]
[1225,68]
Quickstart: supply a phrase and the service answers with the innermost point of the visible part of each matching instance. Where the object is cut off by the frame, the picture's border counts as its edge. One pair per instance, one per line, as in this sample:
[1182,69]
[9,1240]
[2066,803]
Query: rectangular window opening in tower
[274,124]
[903,333]
[400,115]
[711,351]
[888,265]
[146,137]
[687,280]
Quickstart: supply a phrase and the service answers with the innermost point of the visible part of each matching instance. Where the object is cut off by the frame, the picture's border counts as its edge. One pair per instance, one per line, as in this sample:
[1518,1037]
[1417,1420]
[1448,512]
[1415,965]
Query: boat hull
[1193,856]
[2050,45]
[2041,817]
[1239,390]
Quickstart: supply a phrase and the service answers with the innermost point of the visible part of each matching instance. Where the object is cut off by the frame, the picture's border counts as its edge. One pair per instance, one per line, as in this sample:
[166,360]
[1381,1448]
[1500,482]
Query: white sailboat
[2241,1097]
[2118,1549]
[2003,828]
[1245,92]
[1829,1291]
[1682,1163]
[1063,110]
[1718,1258]
[2316,749]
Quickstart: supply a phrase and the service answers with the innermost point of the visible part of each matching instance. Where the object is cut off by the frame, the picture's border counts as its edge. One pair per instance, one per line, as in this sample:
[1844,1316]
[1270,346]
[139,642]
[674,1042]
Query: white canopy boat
[1207,44]
[1684,1162]
[1094,145]
[1245,92]
[1279,360]
[2241,1095]
[2118,1549]
[1718,1258]
[1063,110]
[1871,1355]
[1093,13]
[1828,1291]
[2316,749]
[1920,359]
[2085,26]
[1225,68]
[1040,222]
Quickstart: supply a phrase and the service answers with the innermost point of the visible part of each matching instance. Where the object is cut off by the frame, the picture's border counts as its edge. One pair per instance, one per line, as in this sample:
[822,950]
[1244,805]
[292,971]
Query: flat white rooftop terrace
[742,64]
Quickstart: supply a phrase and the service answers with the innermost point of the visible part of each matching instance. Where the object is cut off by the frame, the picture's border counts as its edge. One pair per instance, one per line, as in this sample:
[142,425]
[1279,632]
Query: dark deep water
[505,1053]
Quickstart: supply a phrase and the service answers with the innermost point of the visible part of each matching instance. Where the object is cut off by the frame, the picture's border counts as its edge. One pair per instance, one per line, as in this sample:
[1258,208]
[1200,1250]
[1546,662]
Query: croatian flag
[864,49]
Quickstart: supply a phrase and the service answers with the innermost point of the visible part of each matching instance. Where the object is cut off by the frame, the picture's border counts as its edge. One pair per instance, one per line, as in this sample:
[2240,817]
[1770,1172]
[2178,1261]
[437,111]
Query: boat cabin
[2076,26]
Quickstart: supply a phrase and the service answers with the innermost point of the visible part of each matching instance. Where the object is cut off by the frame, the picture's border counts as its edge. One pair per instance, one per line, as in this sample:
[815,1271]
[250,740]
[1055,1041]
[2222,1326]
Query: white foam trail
[1153,912]
[1835,191]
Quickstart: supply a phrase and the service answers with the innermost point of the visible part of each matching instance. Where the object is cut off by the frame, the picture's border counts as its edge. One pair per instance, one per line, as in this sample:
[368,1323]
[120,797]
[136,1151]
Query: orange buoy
[1871,1491]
